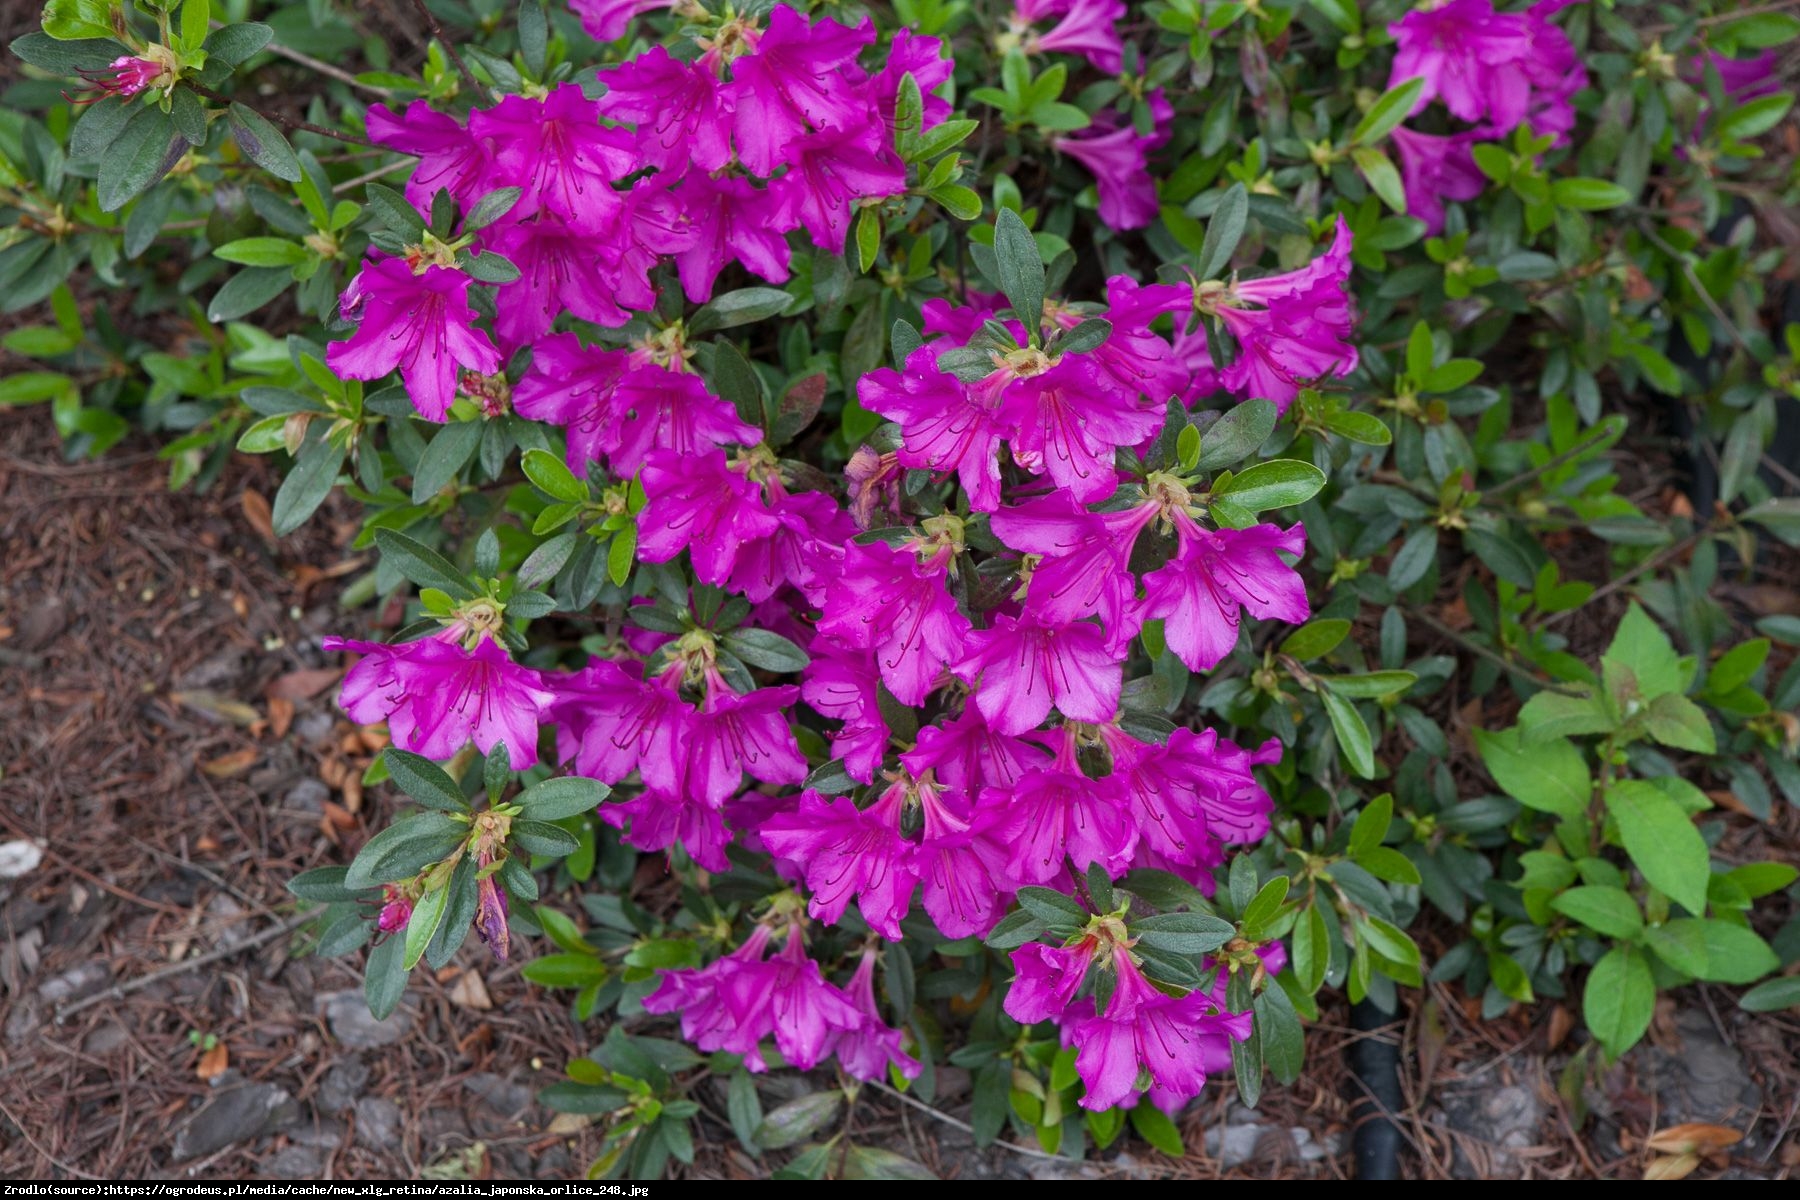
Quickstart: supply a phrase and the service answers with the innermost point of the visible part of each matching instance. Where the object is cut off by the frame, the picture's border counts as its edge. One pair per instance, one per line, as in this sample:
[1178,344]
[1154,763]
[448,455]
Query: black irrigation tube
[1375,1096]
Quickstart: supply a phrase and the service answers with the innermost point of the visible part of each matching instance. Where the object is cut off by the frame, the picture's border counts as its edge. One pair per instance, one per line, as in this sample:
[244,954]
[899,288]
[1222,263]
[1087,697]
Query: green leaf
[1414,558]
[231,45]
[1661,839]
[1588,194]
[1051,906]
[540,837]
[765,649]
[384,978]
[141,154]
[32,387]
[1606,910]
[404,848]
[307,484]
[1223,233]
[426,915]
[1363,427]
[1641,646]
[1183,933]
[553,477]
[66,57]
[1278,1027]
[960,202]
[798,1120]
[1619,999]
[424,780]
[449,450]
[1681,944]
[1021,269]
[1551,776]
[1352,734]
[621,555]
[1387,113]
[323,884]
[1383,176]
[1772,996]
[1156,1128]
[248,291]
[263,144]
[1755,118]
[1676,721]
[263,252]
[195,16]
[1735,954]
[566,796]
[1315,639]
[70,19]
[1550,715]
[423,565]
[1236,435]
[1277,483]
[872,1162]
[742,307]
[1371,685]
[1371,825]
[564,970]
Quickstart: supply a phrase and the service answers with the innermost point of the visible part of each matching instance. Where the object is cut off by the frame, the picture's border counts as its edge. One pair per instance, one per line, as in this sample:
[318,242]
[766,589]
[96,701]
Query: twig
[1693,279]
[119,990]
[338,189]
[1499,660]
[1575,451]
[279,119]
[1649,564]
[54,1161]
[437,31]
[967,1128]
[325,68]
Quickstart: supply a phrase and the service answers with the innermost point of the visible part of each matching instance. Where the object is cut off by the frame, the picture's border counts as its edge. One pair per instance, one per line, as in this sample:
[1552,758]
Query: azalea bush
[1008,506]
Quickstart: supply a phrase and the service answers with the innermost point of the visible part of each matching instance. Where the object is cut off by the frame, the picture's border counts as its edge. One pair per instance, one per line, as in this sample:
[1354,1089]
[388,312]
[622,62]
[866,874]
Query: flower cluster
[775,127]
[1495,71]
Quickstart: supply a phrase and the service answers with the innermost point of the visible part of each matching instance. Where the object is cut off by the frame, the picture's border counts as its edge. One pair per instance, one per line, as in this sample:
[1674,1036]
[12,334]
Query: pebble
[347,1013]
[233,1116]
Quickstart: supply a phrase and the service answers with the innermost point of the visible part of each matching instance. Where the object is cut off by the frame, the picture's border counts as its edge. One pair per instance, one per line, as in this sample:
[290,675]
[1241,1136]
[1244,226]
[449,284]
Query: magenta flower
[1046,979]
[1082,567]
[611,722]
[794,83]
[873,482]
[737,734]
[1090,28]
[732,219]
[1133,358]
[867,1051]
[127,75]
[654,820]
[968,754]
[556,150]
[946,425]
[450,157]
[699,503]
[1023,665]
[890,601]
[420,323]
[437,697]
[960,862]
[1470,57]
[924,59]
[678,109]
[607,20]
[807,1015]
[828,171]
[396,909]
[1055,814]
[1178,1042]
[841,683]
[1118,159]
[1436,169]
[1192,794]
[847,854]
[1199,593]
[559,271]
[805,550]
[1068,419]
[490,907]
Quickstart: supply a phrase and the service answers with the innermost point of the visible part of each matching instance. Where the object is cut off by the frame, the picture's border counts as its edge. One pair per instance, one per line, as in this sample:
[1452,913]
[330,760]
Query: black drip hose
[1375,1094]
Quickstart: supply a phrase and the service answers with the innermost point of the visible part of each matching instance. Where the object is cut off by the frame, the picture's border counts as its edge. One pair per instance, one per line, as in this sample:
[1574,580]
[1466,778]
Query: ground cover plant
[1065,529]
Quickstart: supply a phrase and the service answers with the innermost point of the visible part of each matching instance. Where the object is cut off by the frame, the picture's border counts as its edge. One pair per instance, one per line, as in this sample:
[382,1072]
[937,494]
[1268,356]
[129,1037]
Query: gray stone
[507,1099]
[75,983]
[347,1013]
[313,727]
[235,1115]
[309,795]
[339,1090]
[296,1162]
[378,1123]
[326,1132]
[1494,1119]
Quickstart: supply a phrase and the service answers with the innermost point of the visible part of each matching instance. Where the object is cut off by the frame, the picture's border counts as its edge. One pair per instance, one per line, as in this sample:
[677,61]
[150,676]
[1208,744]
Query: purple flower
[923,58]
[678,109]
[1090,28]
[805,550]
[806,1013]
[841,682]
[556,150]
[946,425]
[968,754]
[849,853]
[1118,160]
[889,601]
[1067,419]
[607,20]
[737,734]
[1046,978]
[699,503]
[1026,664]
[732,218]
[829,170]
[1178,1042]
[1192,794]
[611,722]
[1082,566]
[490,913]
[655,820]
[450,157]
[559,271]
[867,1051]
[396,909]
[127,75]
[1199,593]
[959,862]
[437,697]
[1056,813]
[1436,169]
[1470,57]
[794,83]
[420,323]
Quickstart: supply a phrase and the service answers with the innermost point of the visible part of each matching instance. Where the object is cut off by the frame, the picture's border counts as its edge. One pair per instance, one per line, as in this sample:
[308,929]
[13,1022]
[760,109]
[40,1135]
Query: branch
[279,119]
[437,31]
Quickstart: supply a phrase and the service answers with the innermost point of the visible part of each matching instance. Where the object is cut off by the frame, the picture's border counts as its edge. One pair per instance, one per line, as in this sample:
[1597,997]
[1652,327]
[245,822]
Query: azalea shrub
[1033,537]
